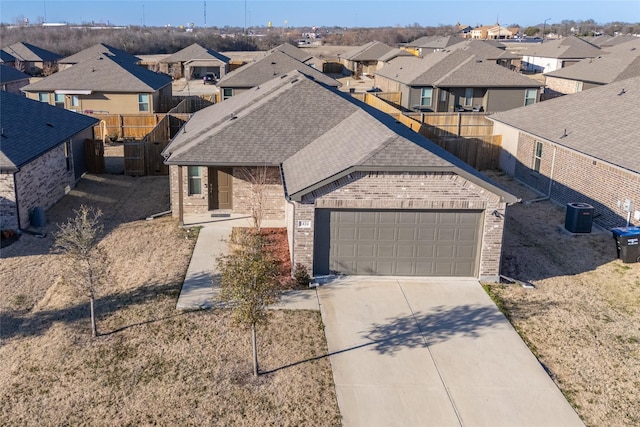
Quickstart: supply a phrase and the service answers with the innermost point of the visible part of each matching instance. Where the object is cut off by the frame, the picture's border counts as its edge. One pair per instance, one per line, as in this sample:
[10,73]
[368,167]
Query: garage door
[397,242]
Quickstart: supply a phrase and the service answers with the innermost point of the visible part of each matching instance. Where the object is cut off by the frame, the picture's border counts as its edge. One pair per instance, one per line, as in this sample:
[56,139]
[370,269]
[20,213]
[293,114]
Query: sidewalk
[199,290]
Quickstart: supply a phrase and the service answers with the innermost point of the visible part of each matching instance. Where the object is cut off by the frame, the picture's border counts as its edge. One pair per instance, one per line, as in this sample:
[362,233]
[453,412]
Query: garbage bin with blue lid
[627,243]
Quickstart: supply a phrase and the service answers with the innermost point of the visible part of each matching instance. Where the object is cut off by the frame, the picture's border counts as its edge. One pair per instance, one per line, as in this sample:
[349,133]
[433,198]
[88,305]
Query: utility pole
[205,14]
[544,27]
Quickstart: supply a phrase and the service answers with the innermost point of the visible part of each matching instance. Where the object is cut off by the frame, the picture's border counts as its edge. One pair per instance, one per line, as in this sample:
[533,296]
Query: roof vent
[622,92]
[50,125]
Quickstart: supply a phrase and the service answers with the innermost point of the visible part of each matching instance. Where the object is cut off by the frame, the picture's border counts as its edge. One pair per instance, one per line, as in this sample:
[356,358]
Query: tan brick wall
[582,179]
[43,182]
[275,202]
[8,208]
[383,190]
[559,85]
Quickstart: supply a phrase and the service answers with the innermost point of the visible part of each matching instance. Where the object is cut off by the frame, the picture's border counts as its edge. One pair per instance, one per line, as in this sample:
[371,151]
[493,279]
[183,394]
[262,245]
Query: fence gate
[134,158]
[94,155]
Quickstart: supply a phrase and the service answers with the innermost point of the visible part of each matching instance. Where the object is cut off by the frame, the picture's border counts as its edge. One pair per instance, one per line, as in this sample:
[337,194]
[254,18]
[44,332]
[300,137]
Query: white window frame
[468,97]
[44,97]
[144,105]
[424,97]
[227,93]
[529,100]
[194,179]
[56,100]
[537,156]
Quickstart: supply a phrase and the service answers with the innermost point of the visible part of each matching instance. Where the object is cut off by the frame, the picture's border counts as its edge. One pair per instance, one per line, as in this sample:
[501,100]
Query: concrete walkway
[427,352]
[199,290]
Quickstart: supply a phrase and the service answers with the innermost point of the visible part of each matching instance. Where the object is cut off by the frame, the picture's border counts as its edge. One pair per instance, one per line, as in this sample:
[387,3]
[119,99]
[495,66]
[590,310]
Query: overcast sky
[351,13]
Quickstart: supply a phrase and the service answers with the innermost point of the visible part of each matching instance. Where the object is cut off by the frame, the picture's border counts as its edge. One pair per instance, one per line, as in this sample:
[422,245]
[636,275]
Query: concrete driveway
[409,352]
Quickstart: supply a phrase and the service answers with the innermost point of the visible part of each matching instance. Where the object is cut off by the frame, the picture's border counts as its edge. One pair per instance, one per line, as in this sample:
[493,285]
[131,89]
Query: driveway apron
[432,352]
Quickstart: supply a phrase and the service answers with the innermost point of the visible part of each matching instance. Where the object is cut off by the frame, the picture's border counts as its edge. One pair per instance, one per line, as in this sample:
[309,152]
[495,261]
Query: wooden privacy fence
[144,158]
[468,136]
[128,126]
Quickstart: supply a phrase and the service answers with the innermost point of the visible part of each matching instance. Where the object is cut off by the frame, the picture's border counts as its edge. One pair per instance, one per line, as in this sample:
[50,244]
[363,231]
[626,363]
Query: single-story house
[33,60]
[605,41]
[456,80]
[93,52]
[556,54]
[104,85]
[41,156]
[193,62]
[622,62]
[428,44]
[12,80]
[490,50]
[364,59]
[581,148]
[359,192]
[264,69]
[301,55]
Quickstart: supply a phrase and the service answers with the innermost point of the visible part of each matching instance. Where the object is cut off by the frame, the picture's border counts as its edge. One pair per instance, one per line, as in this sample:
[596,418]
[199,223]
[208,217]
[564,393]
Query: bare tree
[77,240]
[259,178]
[248,280]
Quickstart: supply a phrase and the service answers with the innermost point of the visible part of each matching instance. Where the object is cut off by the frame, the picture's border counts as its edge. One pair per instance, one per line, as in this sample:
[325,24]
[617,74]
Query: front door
[220,190]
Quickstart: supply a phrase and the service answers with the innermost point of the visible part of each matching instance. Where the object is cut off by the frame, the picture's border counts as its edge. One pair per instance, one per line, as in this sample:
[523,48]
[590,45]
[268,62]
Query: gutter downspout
[292,249]
[548,196]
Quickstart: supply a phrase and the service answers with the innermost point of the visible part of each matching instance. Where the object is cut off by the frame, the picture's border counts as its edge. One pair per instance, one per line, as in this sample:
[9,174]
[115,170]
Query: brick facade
[242,199]
[8,208]
[559,85]
[386,190]
[42,182]
[579,178]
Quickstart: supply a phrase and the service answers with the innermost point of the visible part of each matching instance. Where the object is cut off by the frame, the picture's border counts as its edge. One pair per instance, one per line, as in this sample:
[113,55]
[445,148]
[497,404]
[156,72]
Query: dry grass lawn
[582,319]
[152,364]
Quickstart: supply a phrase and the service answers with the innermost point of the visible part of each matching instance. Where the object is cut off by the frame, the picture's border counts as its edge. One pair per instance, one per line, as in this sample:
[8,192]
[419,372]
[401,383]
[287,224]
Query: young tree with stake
[77,240]
[248,279]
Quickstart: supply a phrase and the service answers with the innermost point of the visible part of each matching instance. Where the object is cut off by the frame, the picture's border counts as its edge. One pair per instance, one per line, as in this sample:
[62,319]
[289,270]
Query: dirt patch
[152,364]
[582,320]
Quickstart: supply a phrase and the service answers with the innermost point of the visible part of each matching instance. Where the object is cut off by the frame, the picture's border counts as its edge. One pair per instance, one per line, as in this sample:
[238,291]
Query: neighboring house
[41,156]
[555,54]
[95,51]
[264,69]
[579,148]
[456,80]
[12,80]
[622,62]
[7,59]
[33,60]
[428,44]
[392,54]
[364,59]
[104,85]
[498,32]
[605,41]
[359,192]
[193,62]
[299,54]
[490,50]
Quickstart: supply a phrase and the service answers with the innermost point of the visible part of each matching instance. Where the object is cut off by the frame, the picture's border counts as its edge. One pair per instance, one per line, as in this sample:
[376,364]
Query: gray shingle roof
[10,74]
[435,42]
[274,64]
[600,122]
[315,132]
[29,52]
[394,53]
[622,62]
[293,52]
[31,128]
[103,74]
[484,49]
[565,48]
[371,51]
[96,50]
[195,51]
[6,57]
[607,41]
[457,68]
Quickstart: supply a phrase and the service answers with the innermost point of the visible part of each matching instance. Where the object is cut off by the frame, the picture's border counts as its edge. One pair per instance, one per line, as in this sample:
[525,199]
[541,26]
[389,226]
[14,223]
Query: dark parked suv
[209,79]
